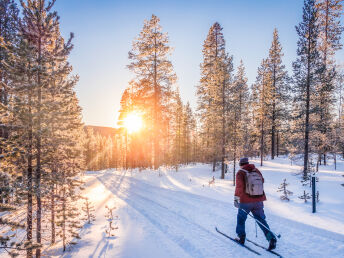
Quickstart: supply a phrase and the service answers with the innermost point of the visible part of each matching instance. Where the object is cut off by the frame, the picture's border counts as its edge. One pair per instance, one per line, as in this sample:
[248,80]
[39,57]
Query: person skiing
[249,196]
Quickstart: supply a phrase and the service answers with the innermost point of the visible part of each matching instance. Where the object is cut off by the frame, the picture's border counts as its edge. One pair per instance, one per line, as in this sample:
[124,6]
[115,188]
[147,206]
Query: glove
[236,201]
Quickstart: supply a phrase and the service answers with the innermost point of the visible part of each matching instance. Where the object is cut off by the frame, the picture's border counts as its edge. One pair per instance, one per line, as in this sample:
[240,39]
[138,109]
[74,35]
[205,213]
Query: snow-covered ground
[174,214]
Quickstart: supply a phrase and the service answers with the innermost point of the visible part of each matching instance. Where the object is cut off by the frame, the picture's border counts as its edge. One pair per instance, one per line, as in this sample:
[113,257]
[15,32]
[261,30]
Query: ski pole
[279,235]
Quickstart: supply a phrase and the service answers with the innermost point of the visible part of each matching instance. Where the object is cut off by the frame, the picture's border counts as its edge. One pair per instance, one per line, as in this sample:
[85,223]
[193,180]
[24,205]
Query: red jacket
[240,186]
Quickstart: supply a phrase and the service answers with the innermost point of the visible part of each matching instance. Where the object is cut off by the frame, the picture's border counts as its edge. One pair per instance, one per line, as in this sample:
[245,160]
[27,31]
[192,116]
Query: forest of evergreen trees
[41,130]
[44,146]
[281,113]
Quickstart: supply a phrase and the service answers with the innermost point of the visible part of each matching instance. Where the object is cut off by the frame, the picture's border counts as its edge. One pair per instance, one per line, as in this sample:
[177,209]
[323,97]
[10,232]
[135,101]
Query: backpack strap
[246,180]
[243,170]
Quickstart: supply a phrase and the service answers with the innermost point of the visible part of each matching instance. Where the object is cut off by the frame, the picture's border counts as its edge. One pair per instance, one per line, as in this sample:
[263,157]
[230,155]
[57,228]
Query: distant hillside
[102,130]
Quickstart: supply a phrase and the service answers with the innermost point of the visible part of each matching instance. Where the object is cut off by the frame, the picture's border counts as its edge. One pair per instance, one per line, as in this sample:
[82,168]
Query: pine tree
[110,217]
[154,78]
[40,28]
[279,91]
[330,30]
[283,188]
[239,98]
[305,196]
[21,111]
[89,211]
[306,72]
[261,100]
[178,131]
[213,91]
[8,35]
[188,133]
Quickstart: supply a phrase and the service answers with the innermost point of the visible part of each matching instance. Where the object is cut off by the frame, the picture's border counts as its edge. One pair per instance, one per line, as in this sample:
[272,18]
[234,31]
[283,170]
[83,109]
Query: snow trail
[189,220]
[174,217]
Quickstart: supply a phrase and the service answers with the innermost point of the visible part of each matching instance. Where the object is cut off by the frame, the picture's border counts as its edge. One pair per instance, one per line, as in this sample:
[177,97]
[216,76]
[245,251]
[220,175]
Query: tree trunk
[156,99]
[64,218]
[306,148]
[38,157]
[273,128]
[223,131]
[53,215]
[261,144]
[234,168]
[277,149]
[29,221]
[29,201]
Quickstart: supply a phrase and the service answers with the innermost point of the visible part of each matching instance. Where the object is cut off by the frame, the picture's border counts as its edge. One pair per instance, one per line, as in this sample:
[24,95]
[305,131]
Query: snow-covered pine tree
[305,196]
[286,193]
[8,149]
[11,182]
[177,131]
[63,116]
[8,35]
[127,105]
[39,27]
[213,92]
[338,136]
[46,116]
[238,116]
[188,133]
[89,210]
[261,101]
[154,78]
[70,166]
[330,30]
[278,111]
[306,74]
[110,217]
[22,110]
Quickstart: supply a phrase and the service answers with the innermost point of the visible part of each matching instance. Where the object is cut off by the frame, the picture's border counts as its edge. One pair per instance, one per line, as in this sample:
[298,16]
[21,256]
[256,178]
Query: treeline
[281,113]
[41,130]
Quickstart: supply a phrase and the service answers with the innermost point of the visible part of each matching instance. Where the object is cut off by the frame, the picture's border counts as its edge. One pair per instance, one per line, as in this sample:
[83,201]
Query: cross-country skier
[249,197]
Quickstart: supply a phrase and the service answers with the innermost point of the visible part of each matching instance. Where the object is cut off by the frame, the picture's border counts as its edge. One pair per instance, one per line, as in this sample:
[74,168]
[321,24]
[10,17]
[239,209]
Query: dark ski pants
[257,209]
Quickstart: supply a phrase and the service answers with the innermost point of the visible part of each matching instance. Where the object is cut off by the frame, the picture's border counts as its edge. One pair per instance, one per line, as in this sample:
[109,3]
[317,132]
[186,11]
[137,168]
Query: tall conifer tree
[154,77]
[279,91]
[306,72]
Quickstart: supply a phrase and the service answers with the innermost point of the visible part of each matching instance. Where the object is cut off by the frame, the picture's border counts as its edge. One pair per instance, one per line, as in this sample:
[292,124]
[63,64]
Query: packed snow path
[163,217]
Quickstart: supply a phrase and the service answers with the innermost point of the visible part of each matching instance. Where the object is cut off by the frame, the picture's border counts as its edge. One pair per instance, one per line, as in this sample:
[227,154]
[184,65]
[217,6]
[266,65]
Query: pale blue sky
[104,31]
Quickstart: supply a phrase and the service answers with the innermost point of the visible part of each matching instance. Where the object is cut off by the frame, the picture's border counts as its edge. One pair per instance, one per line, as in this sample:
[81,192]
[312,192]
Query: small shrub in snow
[212,181]
[111,220]
[283,188]
[305,196]
[89,211]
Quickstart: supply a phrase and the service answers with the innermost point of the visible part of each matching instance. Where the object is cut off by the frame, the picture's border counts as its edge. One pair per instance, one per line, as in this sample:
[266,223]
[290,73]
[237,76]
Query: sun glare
[133,122]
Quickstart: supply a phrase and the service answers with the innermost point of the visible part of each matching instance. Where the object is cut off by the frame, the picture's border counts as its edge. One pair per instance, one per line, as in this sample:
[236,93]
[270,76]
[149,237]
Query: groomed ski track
[160,222]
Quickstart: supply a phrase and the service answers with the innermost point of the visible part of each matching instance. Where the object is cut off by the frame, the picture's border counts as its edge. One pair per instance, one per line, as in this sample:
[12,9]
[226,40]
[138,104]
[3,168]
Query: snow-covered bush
[89,211]
[111,220]
[283,188]
[305,196]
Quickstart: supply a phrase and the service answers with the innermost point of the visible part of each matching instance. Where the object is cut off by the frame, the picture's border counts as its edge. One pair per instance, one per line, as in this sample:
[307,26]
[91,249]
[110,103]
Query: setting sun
[133,122]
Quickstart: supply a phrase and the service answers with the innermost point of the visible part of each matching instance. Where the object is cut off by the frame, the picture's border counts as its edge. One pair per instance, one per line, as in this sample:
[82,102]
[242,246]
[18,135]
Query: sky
[104,31]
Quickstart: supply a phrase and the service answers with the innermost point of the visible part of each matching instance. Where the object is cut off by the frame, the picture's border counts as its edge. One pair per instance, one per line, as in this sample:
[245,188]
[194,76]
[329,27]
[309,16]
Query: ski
[266,249]
[248,248]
